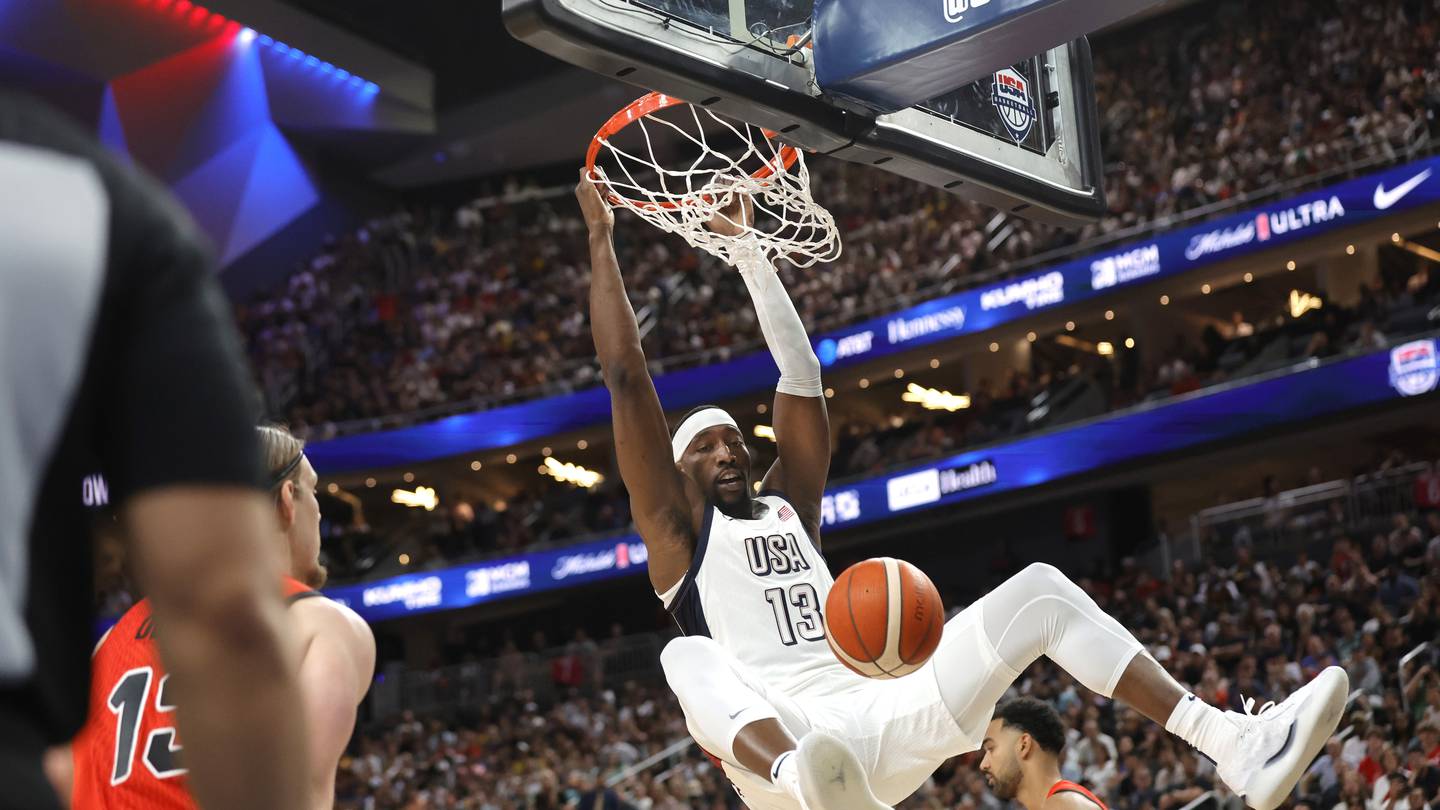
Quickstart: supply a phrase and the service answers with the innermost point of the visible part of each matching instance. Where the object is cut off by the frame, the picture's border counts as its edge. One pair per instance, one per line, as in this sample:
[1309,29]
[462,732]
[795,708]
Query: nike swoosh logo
[1384,199]
[736,714]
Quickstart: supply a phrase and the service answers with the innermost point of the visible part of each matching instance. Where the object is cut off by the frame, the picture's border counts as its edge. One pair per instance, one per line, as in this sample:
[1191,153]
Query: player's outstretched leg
[732,717]
[1039,612]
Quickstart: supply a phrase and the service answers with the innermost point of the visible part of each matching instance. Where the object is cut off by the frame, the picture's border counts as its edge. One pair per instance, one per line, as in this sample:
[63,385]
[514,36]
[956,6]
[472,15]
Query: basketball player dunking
[743,577]
[128,755]
[1022,748]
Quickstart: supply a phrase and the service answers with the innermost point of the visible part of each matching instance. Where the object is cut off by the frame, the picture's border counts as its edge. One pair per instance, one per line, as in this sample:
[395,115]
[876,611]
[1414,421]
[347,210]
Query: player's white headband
[698,421]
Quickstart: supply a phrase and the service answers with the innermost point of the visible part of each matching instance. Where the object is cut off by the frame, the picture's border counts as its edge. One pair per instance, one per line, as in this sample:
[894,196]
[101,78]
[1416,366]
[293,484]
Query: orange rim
[652,103]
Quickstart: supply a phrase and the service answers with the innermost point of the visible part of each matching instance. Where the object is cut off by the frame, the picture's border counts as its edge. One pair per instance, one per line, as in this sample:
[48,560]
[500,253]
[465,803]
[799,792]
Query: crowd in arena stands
[430,309]
[1237,626]
[550,514]
[1225,352]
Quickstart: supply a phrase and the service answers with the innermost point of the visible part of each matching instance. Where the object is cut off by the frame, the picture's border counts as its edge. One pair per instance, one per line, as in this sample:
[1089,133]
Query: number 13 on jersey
[797,613]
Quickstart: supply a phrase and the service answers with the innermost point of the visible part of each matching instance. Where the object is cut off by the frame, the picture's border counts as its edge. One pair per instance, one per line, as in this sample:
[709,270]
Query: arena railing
[669,755]
[1405,661]
[1284,522]
[1385,157]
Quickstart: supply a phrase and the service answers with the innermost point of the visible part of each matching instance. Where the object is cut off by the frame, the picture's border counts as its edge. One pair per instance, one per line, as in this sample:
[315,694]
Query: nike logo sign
[1384,199]
[736,714]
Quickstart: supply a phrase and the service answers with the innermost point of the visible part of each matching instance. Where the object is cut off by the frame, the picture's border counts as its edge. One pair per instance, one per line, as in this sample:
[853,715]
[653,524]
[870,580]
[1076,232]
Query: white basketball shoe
[831,777]
[1276,744]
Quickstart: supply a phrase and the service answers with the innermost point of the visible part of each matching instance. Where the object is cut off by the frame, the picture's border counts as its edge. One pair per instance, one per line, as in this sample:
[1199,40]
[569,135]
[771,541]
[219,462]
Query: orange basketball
[883,618]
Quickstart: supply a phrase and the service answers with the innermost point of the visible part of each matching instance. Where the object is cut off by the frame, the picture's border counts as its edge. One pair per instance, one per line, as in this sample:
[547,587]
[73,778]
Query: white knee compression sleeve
[1036,612]
[1039,611]
[715,698]
[780,323]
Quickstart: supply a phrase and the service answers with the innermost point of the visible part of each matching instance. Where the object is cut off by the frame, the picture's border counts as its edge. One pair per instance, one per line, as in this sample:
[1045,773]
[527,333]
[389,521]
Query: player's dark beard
[1005,785]
[741,506]
[315,578]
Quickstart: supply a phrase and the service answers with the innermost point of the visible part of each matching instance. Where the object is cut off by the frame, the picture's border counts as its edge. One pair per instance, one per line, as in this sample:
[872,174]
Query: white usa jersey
[758,588]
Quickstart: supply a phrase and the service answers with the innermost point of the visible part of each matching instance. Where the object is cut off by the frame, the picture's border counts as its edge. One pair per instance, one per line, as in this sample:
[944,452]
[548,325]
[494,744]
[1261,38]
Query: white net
[788,225]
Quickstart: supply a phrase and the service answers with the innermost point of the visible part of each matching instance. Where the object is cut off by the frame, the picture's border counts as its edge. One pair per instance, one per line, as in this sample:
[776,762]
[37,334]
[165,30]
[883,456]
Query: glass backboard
[1023,138]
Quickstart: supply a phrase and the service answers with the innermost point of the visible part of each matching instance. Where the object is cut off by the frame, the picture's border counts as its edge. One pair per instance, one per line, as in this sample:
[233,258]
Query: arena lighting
[370,483]
[935,400]
[1290,265]
[1164,300]
[994,347]
[864,382]
[404,559]
[409,477]
[1204,289]
[572,473]
[1249,277]
[1105,348]
[333,488]
[422,497]
[765,432]
[1349,250]
[476,465]
[246,37]
[1419,250]
[1301,303]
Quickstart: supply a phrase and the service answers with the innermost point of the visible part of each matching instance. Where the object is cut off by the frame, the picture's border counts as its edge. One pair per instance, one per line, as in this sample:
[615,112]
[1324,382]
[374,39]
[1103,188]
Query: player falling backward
[127,755]
[743,577]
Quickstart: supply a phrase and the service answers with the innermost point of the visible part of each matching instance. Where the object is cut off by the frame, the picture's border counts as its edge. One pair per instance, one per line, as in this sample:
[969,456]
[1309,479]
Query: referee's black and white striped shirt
[118,354]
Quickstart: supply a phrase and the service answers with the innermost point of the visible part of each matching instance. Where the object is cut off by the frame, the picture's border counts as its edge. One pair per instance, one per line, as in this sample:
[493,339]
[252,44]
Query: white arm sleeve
[780,323]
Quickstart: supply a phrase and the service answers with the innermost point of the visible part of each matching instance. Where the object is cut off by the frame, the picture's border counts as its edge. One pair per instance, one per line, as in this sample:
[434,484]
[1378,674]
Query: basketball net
[788,223]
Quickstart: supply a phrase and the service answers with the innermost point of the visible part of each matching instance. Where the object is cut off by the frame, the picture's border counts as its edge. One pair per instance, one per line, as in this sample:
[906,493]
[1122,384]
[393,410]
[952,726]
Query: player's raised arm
[802,425]
[665,515]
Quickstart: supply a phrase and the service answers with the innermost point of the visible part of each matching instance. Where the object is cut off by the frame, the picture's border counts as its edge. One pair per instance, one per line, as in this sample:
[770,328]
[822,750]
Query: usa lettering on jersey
[775,554]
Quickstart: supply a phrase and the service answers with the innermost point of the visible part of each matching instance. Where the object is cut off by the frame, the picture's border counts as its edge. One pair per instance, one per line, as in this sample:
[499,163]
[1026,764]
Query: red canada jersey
[1066,786]
[128,755]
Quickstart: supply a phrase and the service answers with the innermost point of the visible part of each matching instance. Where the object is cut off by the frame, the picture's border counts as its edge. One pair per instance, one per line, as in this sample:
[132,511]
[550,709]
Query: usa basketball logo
[1011,97]
[1413,368]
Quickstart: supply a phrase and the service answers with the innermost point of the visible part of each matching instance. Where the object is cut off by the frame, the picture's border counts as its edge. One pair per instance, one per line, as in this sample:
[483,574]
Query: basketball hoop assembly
[788,224]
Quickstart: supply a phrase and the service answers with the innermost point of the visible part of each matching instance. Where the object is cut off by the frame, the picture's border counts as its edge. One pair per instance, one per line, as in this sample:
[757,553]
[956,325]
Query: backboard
[1023,137]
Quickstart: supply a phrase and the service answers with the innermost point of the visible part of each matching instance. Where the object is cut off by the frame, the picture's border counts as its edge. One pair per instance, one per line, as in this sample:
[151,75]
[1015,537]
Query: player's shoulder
[1071,800]
[317,613]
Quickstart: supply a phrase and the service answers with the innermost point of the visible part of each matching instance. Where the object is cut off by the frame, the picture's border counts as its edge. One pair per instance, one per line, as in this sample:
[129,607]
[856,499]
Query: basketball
[883,618]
